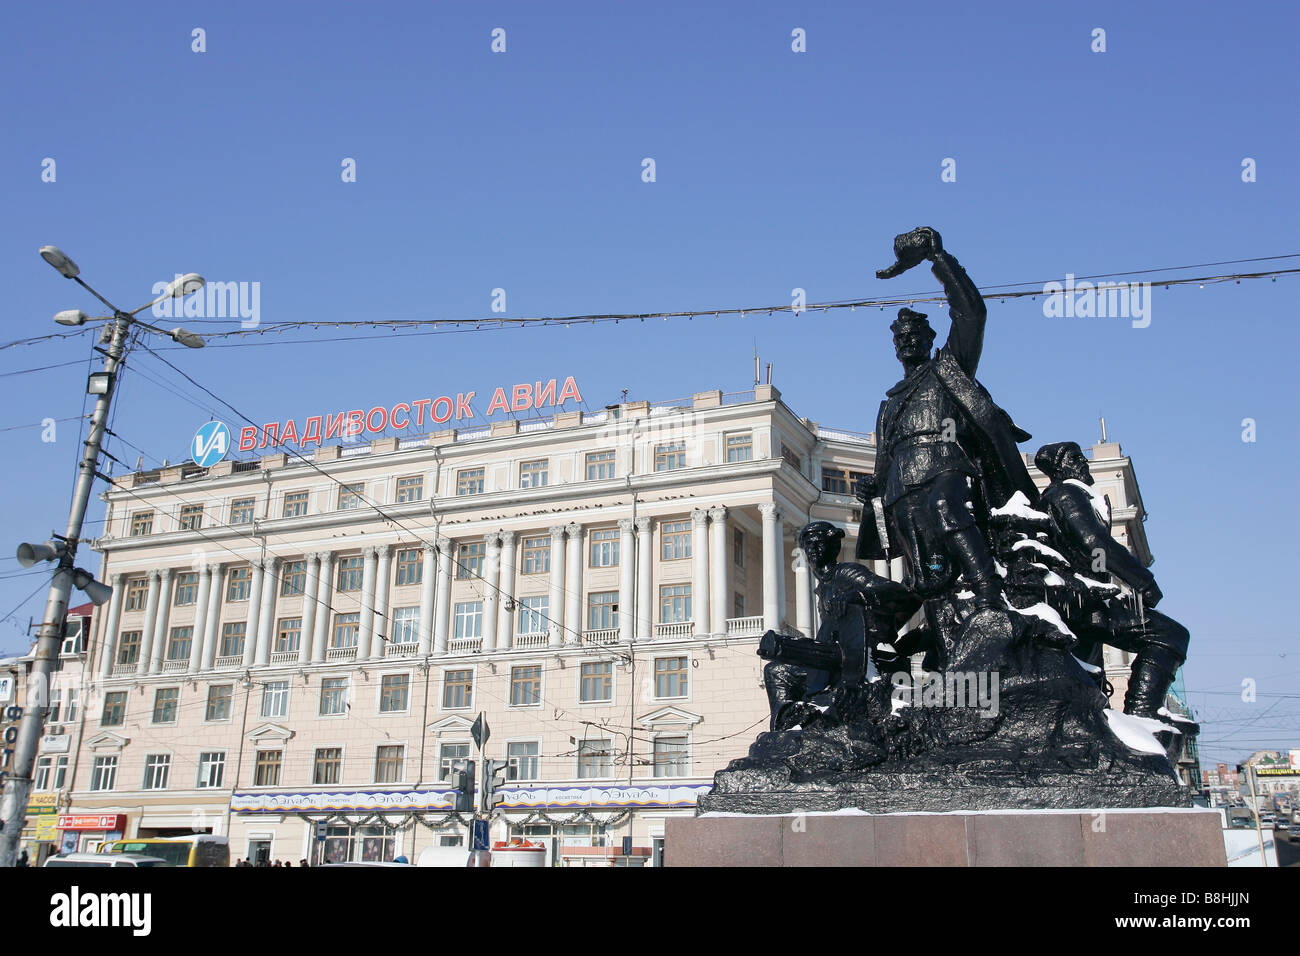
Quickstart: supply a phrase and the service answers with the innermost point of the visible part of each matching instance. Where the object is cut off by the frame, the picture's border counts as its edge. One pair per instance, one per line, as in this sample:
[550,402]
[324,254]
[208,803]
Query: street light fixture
[62,549]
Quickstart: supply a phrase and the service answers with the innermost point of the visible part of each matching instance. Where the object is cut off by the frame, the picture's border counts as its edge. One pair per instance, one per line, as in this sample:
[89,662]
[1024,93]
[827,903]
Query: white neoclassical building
[297,648]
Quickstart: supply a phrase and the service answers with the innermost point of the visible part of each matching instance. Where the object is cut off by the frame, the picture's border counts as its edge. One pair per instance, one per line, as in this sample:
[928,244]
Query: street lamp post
[18,776]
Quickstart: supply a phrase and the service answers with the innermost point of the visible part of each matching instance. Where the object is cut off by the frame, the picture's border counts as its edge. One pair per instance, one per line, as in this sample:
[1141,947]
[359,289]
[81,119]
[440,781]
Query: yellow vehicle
[202,849]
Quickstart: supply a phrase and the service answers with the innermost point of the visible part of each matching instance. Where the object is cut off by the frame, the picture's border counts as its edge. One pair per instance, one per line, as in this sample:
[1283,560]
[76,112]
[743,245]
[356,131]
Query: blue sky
[774,170]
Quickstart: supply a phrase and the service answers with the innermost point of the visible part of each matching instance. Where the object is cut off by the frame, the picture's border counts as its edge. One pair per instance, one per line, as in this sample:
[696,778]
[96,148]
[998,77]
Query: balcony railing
[464,645]
[670,631]
[540,639]
[227,663]
[401,650]
[122,670]
[284,657]
[745,626]
[340,653]
[608,635]
[171,667]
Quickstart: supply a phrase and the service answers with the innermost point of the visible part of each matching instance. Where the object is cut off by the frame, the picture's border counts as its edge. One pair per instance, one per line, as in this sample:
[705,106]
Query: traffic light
[494,777]
[462,778]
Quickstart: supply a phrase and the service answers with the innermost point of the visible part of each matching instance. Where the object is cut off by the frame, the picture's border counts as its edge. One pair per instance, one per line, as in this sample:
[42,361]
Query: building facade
[296,648]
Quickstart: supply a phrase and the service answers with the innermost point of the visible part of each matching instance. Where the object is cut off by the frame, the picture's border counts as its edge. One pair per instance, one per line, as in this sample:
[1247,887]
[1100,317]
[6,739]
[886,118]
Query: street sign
[480,732]
[210,444]
[320,832]
[480,835]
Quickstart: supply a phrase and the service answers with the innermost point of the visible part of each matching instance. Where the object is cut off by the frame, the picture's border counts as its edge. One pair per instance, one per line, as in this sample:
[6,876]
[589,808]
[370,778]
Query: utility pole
[63,550]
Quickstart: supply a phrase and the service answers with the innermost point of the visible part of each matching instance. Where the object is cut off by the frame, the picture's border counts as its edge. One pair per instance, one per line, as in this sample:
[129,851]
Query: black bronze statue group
[1005,588]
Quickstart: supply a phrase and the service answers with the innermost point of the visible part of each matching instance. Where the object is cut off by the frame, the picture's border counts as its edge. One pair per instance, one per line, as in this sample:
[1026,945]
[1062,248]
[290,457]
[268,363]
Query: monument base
[1125,837]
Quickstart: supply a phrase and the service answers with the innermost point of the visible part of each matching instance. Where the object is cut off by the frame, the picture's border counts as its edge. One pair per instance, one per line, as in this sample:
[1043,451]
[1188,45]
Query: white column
[212,622]
[266,620]
[164,615]
[719,600]
[150,619]
[320,638]
[310,589]
[383,580]
[367,629]
[108,644]
[575,556]
[427,580]
[555,604]
[491,572]
[200,617]
[782,598]
[802,595]
[771,565]
[251,626]
[644,603]
[626,581]
[700,579]
[505,617]
[441,613]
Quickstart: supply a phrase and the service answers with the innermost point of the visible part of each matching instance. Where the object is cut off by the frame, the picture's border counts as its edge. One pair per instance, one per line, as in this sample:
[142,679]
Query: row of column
[710,592]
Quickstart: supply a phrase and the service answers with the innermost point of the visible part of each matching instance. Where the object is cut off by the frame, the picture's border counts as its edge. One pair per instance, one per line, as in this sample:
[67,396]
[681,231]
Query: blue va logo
[211,442]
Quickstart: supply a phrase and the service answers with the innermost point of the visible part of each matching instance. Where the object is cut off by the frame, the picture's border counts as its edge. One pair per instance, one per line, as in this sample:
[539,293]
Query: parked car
[105,859]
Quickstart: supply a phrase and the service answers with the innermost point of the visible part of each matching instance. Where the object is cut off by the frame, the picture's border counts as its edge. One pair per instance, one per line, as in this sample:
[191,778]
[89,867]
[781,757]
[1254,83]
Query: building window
[114,709]
[600,465]
[266,768]
[536,555]
[166,700]
[232,639]
[674,603]
[295,504]
[739,609]
[457,689]
[835,480]
[596,682]
[522,759]
[740,447]
[525,685]
[671,758]
[448,756]
[469,481]
[238,583]
[604,548]
[186,590]
[137,593]
[219,701]
[333,696]
[602,610]
[288,634]
[241,510]
[141,523]
[191,517]
[347,629]
[738,547]
[670,676]
[469,619]
[275,698]
[676,540]
[351,496]
[534,614]
[157,767]
[393,693]
[293,579]
[51,773]
[328,766]
[405,626]
[410,489]
[410,567]
[469,560]
[128,647]
[532,474]
[388,763]
[350,574]
[103,774]
[212,767]
[670,457]
[179,643]
[595,759]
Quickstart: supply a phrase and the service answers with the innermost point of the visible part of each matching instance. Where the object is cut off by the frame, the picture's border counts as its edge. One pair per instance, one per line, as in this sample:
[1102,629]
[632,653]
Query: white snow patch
[1097,585]
[887,647]
[1048,614]
[1002,571]
[1137,733]
[1090,668]
[1041,549]
[1017,506]
[1099,502]
[965,595]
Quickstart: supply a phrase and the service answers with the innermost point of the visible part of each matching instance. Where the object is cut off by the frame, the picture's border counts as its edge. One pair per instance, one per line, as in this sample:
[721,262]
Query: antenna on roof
[1103,430]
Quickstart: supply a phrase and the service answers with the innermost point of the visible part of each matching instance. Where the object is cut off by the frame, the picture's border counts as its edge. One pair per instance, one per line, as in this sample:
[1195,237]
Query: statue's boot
[1148,684]
[968,549]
